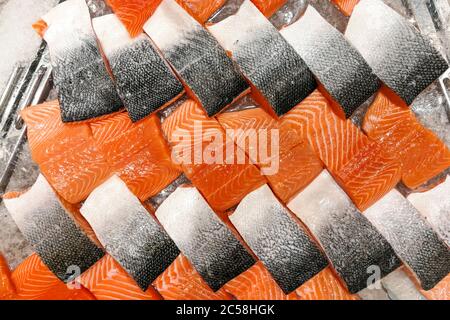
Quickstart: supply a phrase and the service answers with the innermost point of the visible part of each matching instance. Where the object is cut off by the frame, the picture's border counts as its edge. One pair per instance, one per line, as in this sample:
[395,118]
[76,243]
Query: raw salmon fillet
[181,282]
[298,164]
[7,289]
[346,6]
[34,281]
[106,280]
[136,152]
[256,284]
[134,13]
[40,27]
[390,122]
[269,7]
[222,184]
[325,286]
[363,168]
[66,153]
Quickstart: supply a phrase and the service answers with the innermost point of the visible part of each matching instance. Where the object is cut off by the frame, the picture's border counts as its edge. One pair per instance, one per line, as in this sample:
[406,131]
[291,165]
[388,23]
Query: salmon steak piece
[279,77]
[34,281]
[130,234]
[422,154]
[267,226]
[144,81]
[223,182]
[7,288]
[66,153]
[256,284]
[363,168]
[404,59]
[346,6]
[135,13]
[44,220]
[85,88]
[136,152]
[220,255]
[290,162]
[325,286]
[107,280]
[209,75]
[269,7]
[180,281]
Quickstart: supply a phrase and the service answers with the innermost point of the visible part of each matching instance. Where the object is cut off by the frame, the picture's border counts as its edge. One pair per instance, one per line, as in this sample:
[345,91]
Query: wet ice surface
[21,44]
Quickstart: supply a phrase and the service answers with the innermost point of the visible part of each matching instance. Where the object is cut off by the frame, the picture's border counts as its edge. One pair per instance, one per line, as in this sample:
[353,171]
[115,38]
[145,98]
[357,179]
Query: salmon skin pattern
[203,238]
[397,52]
[53,232]
[143,79]
[412,237]
[128,232]
[279,241]
[85,89]
[338,66]
[202,64]
[349,240]
[266,59]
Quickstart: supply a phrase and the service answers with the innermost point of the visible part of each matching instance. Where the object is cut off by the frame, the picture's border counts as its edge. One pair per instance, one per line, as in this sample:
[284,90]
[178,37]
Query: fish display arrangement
[140,198]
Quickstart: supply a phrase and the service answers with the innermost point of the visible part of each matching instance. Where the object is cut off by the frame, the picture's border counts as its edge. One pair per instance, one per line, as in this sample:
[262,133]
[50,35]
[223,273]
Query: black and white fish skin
[435,206]
[352,244]
[52,231]
[128,232]
[412,237]
[398,53]
[333,60]
[85,88]
[199,60]
[144,81]
[279,241]
[203,238]
[266,59]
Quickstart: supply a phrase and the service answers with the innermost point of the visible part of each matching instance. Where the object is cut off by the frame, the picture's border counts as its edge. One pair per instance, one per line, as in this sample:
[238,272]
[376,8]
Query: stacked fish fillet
[117,214]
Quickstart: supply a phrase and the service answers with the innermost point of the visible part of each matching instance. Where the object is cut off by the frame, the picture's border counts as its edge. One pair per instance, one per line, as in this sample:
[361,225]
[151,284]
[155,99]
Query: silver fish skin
[197,58]
[434,205]
[128,232]
[266,59]
[144,81]
[278,240]
[412,237]
[211,247]
[338,66]
[398,53]
[352,244]
[56,237]
[85,88]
